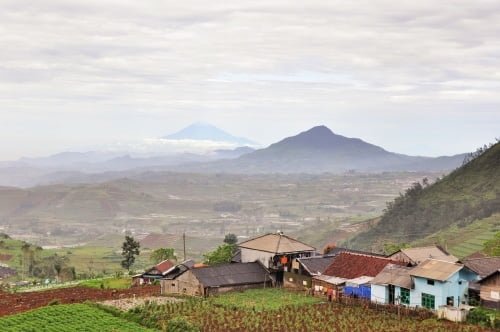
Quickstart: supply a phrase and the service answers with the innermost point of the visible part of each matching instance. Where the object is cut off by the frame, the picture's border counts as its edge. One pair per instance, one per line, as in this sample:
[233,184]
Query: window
[450,300]
[428,301]
[405,296]
[430,282]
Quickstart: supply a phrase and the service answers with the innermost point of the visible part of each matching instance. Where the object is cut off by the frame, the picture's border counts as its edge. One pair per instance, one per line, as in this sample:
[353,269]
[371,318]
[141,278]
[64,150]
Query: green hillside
[467,195]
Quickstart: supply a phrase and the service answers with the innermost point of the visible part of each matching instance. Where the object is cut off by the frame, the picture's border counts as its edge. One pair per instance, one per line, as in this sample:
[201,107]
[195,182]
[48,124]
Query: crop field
[231,312]
[72,317]
[263,299]
[20,302]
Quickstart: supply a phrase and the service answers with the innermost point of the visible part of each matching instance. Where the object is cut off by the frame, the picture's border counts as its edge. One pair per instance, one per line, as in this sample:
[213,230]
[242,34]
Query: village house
[303,269]
[392,285]
[490,290]
[350,275]
[483,266]
[440,283]
[209,280]
[152,274]
[415,256]
[276,252]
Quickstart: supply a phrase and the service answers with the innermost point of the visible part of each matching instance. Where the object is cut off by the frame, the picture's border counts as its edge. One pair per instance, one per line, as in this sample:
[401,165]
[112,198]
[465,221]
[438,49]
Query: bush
[484,317]
[180,324]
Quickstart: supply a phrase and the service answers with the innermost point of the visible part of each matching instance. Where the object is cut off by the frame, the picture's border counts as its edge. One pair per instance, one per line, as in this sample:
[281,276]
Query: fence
[419,313]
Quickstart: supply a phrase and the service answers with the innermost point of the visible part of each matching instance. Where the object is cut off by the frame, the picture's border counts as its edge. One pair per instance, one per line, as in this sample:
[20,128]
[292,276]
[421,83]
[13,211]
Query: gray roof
[394,275]
[483,266]
[232,274]
[178,269]
[316,265]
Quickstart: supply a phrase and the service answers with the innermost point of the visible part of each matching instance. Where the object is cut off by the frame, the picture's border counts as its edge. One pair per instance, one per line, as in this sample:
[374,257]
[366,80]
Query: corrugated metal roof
[359,281]
[338,250]
[331,280]
[231,274]
[316,265]
[483,266]
[436,269]
[276,243]
[394,275]
[420,254]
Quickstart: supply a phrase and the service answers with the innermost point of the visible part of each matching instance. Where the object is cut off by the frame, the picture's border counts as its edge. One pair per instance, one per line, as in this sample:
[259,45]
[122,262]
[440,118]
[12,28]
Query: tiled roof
[350,266]
[276,243]
[436,269]
[394,275]
[316,265]
[232,274]
[483,266]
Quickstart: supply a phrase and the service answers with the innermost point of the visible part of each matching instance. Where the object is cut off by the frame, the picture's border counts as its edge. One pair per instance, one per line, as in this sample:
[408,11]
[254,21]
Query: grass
[112,283]
[263,299]
[72,317]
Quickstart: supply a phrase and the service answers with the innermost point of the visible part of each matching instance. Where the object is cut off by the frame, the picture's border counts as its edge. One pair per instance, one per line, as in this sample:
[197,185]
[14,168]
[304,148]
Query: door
[392,293]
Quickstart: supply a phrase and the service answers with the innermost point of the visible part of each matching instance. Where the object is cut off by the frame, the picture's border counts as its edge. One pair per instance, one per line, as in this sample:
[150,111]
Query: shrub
[484,317]
[180,324]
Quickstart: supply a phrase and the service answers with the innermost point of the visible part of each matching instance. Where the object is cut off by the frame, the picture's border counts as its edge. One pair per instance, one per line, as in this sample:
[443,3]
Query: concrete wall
[380,294]
[250,255]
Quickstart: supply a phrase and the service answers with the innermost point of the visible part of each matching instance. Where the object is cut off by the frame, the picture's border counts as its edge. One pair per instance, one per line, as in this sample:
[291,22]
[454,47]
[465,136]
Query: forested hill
[469,193]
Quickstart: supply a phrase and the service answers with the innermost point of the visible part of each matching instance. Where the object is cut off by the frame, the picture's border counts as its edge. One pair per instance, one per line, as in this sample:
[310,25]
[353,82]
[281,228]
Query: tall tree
[230,238]
[162,254]
[130,249]
[222,254]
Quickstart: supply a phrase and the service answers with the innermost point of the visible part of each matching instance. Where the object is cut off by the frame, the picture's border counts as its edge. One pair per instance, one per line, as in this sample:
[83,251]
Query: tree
[130,249]
[162,254]
[492,246]
[390,247]
[222,254]
[230,238]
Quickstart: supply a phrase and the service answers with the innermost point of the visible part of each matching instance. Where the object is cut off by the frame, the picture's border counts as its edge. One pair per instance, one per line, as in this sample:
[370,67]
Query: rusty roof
[436,269]
[395,275]
[276,243]
[350,266]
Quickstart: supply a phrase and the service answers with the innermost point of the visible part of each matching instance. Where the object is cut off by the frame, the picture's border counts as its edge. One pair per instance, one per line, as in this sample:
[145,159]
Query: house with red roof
[349,274]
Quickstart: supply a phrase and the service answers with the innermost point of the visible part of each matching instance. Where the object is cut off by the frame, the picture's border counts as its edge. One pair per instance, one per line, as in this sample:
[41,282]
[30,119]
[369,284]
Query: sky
[415,77]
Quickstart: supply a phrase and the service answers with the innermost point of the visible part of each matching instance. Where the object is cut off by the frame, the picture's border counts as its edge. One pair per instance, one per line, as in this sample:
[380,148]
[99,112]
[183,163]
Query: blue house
[438,283]
[431,284]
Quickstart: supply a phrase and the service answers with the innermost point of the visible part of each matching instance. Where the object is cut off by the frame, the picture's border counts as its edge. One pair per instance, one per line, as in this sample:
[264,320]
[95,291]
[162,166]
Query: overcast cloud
[414,77]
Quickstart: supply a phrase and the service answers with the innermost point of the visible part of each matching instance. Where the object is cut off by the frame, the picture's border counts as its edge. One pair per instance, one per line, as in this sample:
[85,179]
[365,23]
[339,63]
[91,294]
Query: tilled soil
[12,303]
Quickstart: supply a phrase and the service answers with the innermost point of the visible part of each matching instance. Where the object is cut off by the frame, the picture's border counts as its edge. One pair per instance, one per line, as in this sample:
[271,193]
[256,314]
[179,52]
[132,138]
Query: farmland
[74,317]
[240,312]
[19,302]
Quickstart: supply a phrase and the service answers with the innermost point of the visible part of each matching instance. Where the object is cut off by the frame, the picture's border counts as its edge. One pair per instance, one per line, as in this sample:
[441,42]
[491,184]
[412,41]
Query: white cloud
[264,68]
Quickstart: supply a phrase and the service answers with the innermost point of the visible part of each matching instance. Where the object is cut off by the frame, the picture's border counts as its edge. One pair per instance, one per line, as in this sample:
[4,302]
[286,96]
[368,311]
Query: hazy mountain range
[316,150]
[319,150]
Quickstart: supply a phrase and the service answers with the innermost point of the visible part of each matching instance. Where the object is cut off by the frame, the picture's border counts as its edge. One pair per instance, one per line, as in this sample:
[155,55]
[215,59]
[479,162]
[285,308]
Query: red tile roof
[349,265]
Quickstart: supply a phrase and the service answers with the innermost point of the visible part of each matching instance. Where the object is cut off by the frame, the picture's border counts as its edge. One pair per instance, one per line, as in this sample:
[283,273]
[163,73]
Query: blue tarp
[361,291]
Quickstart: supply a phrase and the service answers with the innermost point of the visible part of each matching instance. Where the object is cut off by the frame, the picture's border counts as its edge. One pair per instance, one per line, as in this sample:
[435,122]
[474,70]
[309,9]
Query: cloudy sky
[417,77]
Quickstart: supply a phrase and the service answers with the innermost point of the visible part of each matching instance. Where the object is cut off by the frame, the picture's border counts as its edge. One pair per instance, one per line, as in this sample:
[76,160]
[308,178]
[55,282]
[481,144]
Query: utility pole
[184,243]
